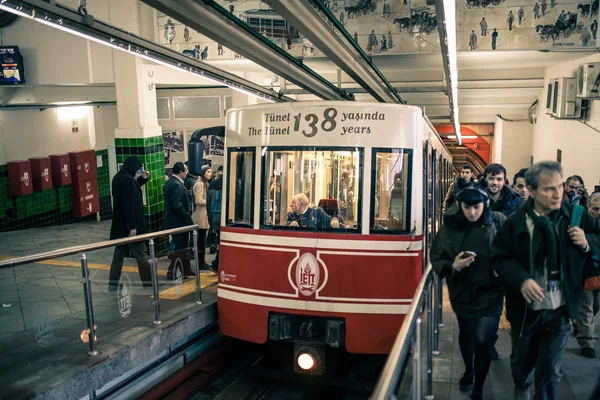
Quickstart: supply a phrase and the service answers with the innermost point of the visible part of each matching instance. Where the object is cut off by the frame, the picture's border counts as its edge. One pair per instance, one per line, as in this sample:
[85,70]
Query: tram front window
[241,188]
[389,200]
[329,180]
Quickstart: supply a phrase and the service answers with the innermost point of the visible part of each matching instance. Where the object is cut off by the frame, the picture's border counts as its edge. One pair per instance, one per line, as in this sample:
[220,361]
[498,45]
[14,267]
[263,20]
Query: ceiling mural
[408,26]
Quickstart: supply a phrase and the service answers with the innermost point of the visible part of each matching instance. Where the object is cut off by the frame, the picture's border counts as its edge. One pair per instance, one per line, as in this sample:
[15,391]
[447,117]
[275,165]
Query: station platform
[580,374]
[42,315]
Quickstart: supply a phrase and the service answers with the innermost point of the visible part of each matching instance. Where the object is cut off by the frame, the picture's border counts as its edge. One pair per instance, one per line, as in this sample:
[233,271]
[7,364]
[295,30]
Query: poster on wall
[217,146]
[173,149]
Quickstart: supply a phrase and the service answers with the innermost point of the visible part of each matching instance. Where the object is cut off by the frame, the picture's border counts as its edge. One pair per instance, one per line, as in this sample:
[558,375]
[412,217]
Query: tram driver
[309,217]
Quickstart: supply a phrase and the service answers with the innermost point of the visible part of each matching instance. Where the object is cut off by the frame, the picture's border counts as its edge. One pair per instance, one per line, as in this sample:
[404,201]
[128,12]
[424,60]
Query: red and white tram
[368,166]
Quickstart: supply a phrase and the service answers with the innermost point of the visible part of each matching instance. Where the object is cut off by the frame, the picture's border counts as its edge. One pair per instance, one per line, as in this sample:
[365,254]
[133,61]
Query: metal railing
[85,275]
[409,338]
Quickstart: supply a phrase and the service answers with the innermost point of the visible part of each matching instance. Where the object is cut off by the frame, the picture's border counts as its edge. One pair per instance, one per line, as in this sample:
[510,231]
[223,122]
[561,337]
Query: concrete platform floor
[581,374]
[42,314]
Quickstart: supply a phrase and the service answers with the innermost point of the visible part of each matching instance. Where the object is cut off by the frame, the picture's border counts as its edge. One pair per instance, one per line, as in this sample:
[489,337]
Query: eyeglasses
[575,187]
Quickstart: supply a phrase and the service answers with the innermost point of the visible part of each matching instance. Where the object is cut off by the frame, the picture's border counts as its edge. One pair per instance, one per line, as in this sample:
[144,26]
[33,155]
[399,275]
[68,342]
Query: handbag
[591,269]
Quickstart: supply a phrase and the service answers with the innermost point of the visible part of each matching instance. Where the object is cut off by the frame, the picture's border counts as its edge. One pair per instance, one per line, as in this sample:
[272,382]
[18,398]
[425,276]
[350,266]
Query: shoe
[466,382]
[189,273]
[213,269]
[589,353]
[495,355]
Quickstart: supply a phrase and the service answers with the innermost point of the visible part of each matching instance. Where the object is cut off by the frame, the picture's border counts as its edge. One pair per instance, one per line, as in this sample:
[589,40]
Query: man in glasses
[575,191]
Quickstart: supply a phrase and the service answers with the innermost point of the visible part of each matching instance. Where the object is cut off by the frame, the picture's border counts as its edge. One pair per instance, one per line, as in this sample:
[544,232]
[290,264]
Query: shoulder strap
[576,215]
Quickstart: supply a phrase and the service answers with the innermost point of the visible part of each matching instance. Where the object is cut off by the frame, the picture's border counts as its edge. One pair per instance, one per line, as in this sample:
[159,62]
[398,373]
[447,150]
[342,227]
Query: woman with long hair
[461,253]
[200,214]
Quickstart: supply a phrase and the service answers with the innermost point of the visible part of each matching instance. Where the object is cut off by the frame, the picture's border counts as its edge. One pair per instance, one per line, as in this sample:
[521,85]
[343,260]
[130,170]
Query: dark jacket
[128,206]
[473,290]
[215,185]
[511,201]
[511,259]
[314,218]
[178,204]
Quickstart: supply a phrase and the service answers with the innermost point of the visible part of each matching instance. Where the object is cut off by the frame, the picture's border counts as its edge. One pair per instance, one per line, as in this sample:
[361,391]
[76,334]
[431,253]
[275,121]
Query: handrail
[390,374]
[13,262]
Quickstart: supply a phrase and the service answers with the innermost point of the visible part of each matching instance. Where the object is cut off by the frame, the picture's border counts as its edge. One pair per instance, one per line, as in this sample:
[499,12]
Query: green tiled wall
[50,207]
[150,152]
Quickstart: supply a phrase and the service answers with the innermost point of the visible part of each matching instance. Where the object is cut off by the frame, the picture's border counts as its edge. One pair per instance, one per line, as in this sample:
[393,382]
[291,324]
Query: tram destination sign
[320,123]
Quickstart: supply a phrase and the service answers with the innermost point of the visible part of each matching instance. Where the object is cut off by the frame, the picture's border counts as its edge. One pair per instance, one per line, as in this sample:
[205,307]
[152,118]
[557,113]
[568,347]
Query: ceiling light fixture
[452,61]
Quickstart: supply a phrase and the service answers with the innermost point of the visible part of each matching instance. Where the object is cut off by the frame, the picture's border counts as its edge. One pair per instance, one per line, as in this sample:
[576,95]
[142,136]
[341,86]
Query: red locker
[41,172]
[83,165]
[85,198]
[61,169]
[19,178]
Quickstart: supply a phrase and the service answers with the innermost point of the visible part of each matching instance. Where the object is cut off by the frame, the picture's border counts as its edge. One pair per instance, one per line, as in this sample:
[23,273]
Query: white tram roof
[357,124]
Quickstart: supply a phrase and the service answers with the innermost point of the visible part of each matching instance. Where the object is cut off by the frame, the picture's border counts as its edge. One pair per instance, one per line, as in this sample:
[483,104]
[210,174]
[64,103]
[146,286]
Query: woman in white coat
[200,214]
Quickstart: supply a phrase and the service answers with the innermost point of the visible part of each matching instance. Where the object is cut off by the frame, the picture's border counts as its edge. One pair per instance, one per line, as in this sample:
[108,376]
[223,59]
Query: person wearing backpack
[200,214]
[460,253]
[214,204]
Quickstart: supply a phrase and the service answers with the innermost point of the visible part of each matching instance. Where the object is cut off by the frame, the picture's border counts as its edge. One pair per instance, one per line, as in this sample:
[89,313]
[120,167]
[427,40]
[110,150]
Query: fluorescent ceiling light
[58,25]
[450,21]
[463,137]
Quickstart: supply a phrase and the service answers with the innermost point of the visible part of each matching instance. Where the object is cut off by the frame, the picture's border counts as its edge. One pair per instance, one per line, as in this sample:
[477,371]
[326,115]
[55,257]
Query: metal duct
[303,16]
[219,25]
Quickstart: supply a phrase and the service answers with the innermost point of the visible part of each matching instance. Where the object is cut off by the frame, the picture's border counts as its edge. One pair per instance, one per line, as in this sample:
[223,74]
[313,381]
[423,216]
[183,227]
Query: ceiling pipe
[69,20]
[343,53]
[220,25]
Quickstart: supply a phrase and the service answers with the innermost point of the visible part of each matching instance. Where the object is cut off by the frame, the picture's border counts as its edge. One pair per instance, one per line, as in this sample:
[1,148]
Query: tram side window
[391,194]
[308,188]
[241,188]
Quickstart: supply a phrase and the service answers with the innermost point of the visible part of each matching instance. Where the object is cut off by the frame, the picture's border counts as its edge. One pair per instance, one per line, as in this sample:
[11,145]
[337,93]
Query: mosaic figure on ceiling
[170,31]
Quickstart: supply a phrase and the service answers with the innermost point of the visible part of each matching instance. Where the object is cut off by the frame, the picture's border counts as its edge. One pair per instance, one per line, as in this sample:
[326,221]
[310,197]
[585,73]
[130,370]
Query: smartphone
[468,254]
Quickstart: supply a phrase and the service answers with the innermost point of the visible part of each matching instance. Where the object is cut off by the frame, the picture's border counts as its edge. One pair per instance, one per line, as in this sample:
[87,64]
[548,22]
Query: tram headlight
[306,361]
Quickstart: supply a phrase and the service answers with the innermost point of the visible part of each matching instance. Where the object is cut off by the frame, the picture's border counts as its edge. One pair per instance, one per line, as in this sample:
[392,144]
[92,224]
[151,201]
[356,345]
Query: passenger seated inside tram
[309,217]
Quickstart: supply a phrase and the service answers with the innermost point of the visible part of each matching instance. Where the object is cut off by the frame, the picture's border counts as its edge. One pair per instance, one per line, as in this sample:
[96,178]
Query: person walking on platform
[128,220]
[214,206]
[200,214]
[540,257]
[178,213]
[589,302]
[502,199]
[461,253]
[466,172]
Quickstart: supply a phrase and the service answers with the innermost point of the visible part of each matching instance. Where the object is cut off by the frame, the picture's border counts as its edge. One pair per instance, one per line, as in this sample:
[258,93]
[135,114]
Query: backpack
[215,206]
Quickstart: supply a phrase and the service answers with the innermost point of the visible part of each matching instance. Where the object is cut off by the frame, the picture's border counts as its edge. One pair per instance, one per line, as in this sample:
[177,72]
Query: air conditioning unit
[588,79]
[563,99]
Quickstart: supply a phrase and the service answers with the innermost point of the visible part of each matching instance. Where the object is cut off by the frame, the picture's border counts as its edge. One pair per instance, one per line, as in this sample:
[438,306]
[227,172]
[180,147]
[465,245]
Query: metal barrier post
[198,289]
[436,317]
[441,303]
[417,360]
[154,269]
[429,395]
[89,308]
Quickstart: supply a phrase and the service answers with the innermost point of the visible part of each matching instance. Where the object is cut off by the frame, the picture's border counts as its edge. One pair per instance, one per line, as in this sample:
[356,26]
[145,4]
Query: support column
[138,133]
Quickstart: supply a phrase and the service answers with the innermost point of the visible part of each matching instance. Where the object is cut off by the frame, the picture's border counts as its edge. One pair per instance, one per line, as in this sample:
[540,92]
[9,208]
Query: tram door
[426,194]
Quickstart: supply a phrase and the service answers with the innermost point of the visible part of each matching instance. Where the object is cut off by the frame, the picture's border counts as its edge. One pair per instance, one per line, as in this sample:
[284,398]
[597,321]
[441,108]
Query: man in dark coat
[128,220]
[214,218]
[540,260]
[178,213]
[502,198]
[466,173]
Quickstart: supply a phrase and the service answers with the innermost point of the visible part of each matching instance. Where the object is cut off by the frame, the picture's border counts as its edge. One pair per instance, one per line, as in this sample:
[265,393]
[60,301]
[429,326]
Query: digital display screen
[11,66]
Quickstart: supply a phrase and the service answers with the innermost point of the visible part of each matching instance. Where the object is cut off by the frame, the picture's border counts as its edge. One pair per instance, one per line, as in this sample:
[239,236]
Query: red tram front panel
[369,281]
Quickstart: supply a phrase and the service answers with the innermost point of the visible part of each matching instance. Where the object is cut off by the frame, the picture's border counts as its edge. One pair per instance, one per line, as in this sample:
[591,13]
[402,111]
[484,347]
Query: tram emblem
[307,274]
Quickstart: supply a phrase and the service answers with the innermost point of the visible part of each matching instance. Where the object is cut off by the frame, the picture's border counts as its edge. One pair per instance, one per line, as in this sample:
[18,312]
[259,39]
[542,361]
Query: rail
[409,338]
[85,274]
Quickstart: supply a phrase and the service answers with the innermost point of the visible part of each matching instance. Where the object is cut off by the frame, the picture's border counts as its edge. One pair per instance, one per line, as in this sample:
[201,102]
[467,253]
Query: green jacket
[512,260]
[474,289]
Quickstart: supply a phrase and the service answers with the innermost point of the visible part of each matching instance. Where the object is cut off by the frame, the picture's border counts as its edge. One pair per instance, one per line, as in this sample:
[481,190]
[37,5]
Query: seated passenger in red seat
[309,217]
